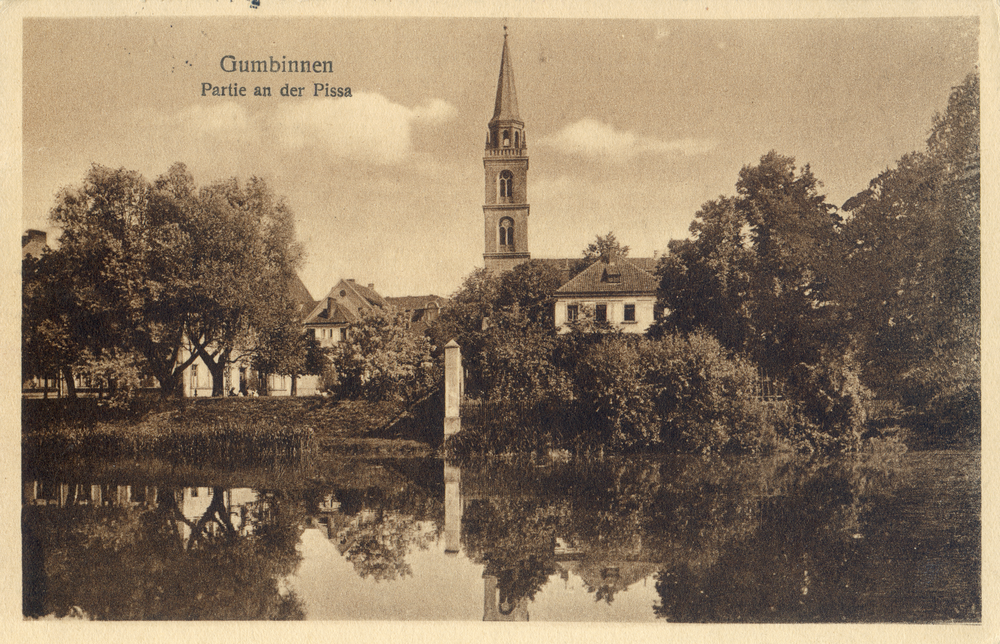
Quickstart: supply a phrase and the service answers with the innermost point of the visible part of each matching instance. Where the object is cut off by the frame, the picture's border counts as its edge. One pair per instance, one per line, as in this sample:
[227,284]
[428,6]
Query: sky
[631,124]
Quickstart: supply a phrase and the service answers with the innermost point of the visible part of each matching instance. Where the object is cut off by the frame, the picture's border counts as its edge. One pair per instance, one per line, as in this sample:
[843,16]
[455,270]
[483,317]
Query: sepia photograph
[572,317]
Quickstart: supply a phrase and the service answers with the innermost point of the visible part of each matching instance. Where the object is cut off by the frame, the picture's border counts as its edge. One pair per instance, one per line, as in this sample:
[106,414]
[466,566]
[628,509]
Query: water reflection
[681,539]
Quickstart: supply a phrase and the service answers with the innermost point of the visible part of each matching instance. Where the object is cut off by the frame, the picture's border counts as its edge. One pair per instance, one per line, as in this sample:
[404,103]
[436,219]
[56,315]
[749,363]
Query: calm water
[886,539]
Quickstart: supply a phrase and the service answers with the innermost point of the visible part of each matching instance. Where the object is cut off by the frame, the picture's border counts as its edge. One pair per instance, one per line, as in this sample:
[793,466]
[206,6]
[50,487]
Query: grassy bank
[230,430]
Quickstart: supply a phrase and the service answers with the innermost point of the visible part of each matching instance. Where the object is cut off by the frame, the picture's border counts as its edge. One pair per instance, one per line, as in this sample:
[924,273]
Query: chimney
[371,286]
[350,279]
[32,236]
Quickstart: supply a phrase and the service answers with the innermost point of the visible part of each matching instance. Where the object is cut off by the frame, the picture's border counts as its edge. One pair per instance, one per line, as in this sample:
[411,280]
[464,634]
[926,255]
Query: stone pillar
[452,509]
[452,388]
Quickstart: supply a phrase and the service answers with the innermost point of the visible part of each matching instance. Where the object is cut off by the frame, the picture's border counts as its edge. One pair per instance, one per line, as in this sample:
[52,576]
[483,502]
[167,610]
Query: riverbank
[237,430]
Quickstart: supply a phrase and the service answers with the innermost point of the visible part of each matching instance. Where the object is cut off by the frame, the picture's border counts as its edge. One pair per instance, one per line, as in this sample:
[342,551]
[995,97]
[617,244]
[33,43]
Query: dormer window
[506,185]
[611,277]
[507,233]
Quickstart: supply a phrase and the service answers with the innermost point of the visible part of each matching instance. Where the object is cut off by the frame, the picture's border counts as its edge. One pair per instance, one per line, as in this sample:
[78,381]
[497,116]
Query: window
[630,312]
[506,184]
[194,376]
[601,313]
[516,139]
[506,138]
[572,312]
[507,233]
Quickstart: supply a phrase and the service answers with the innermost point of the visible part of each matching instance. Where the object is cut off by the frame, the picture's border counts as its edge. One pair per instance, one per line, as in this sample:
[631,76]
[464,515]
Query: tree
[119,270]
[245,257]
[381,360]
[142,269]
[605,249]
[49,323]
[477,306]
[910,280]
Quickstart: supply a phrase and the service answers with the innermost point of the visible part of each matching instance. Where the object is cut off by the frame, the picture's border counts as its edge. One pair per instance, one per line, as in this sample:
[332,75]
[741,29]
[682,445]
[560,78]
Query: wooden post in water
[452,388]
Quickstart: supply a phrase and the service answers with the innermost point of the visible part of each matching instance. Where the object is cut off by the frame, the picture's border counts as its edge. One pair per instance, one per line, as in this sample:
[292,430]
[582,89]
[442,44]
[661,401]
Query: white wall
[644,306]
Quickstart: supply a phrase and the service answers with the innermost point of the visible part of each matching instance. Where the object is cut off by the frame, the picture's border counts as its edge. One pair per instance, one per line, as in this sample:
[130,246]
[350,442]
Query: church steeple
[506,103]
[505,211]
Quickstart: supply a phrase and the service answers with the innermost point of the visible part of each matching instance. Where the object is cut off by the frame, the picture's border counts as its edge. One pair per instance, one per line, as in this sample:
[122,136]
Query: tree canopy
[142,268]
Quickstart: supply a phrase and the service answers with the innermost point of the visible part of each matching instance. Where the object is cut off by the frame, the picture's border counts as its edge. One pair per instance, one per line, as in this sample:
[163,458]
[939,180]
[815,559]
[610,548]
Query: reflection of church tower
[505,160]
[498,607]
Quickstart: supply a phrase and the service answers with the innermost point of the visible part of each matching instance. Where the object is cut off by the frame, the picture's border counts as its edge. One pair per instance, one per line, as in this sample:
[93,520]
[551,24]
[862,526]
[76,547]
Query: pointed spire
[506,104]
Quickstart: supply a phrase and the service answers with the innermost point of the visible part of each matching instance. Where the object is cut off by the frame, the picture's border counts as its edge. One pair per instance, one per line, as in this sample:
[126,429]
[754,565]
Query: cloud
[591,138]
[367,127]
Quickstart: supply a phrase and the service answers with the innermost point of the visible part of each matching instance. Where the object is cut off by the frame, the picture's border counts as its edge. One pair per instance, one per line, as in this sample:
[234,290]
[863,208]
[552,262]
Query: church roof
[611,278]
[506,104]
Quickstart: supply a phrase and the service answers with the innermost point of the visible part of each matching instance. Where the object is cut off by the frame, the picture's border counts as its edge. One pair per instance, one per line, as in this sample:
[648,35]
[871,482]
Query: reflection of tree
[732,538]
[379,548]
[795,555]
[514,539]
[131,562]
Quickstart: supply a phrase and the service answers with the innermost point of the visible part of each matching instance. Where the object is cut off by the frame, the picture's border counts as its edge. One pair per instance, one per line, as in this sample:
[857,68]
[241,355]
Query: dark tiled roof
[335,314]
[356,298]
[300,295]
[369,294]
[415,302]
[564,265]
[611,278]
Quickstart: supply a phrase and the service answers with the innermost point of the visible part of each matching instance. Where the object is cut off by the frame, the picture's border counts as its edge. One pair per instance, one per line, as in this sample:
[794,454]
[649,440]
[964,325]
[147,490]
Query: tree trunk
[294,391]
[169,384]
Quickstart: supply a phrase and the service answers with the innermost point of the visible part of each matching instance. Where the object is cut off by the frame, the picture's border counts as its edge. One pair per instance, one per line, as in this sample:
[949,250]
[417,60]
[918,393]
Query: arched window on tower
[506,138]
[506,186]
[517,139]
[506,234]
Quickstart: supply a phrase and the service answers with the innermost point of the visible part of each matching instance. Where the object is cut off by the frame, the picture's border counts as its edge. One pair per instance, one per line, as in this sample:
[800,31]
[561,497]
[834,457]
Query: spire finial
[505,31]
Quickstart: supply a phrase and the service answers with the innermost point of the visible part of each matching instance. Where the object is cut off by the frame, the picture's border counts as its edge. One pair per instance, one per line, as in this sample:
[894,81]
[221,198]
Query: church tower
[505,211]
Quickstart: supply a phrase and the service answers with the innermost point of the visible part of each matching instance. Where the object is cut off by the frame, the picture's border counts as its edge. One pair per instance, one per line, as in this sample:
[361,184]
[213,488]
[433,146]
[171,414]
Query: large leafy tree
[756,272]
[118,274]
[143,268]
[244,257]
[910,280]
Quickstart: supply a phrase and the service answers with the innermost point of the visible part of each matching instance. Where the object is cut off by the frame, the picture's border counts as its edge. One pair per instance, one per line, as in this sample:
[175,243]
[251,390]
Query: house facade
[239,376]
[614,292]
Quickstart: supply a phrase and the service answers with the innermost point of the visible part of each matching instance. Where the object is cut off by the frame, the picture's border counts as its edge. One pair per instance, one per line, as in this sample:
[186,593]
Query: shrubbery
[622,392]
[381,360]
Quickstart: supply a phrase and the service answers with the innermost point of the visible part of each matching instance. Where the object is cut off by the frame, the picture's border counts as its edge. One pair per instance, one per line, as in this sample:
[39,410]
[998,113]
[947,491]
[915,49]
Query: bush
[382,360]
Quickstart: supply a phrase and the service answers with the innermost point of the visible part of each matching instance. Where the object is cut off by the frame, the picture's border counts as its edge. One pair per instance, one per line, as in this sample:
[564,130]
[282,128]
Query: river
[783,539]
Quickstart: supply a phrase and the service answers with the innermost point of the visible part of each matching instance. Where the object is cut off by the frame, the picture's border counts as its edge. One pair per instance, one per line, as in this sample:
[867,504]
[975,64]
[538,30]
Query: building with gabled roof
[616,292]
[345,303]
